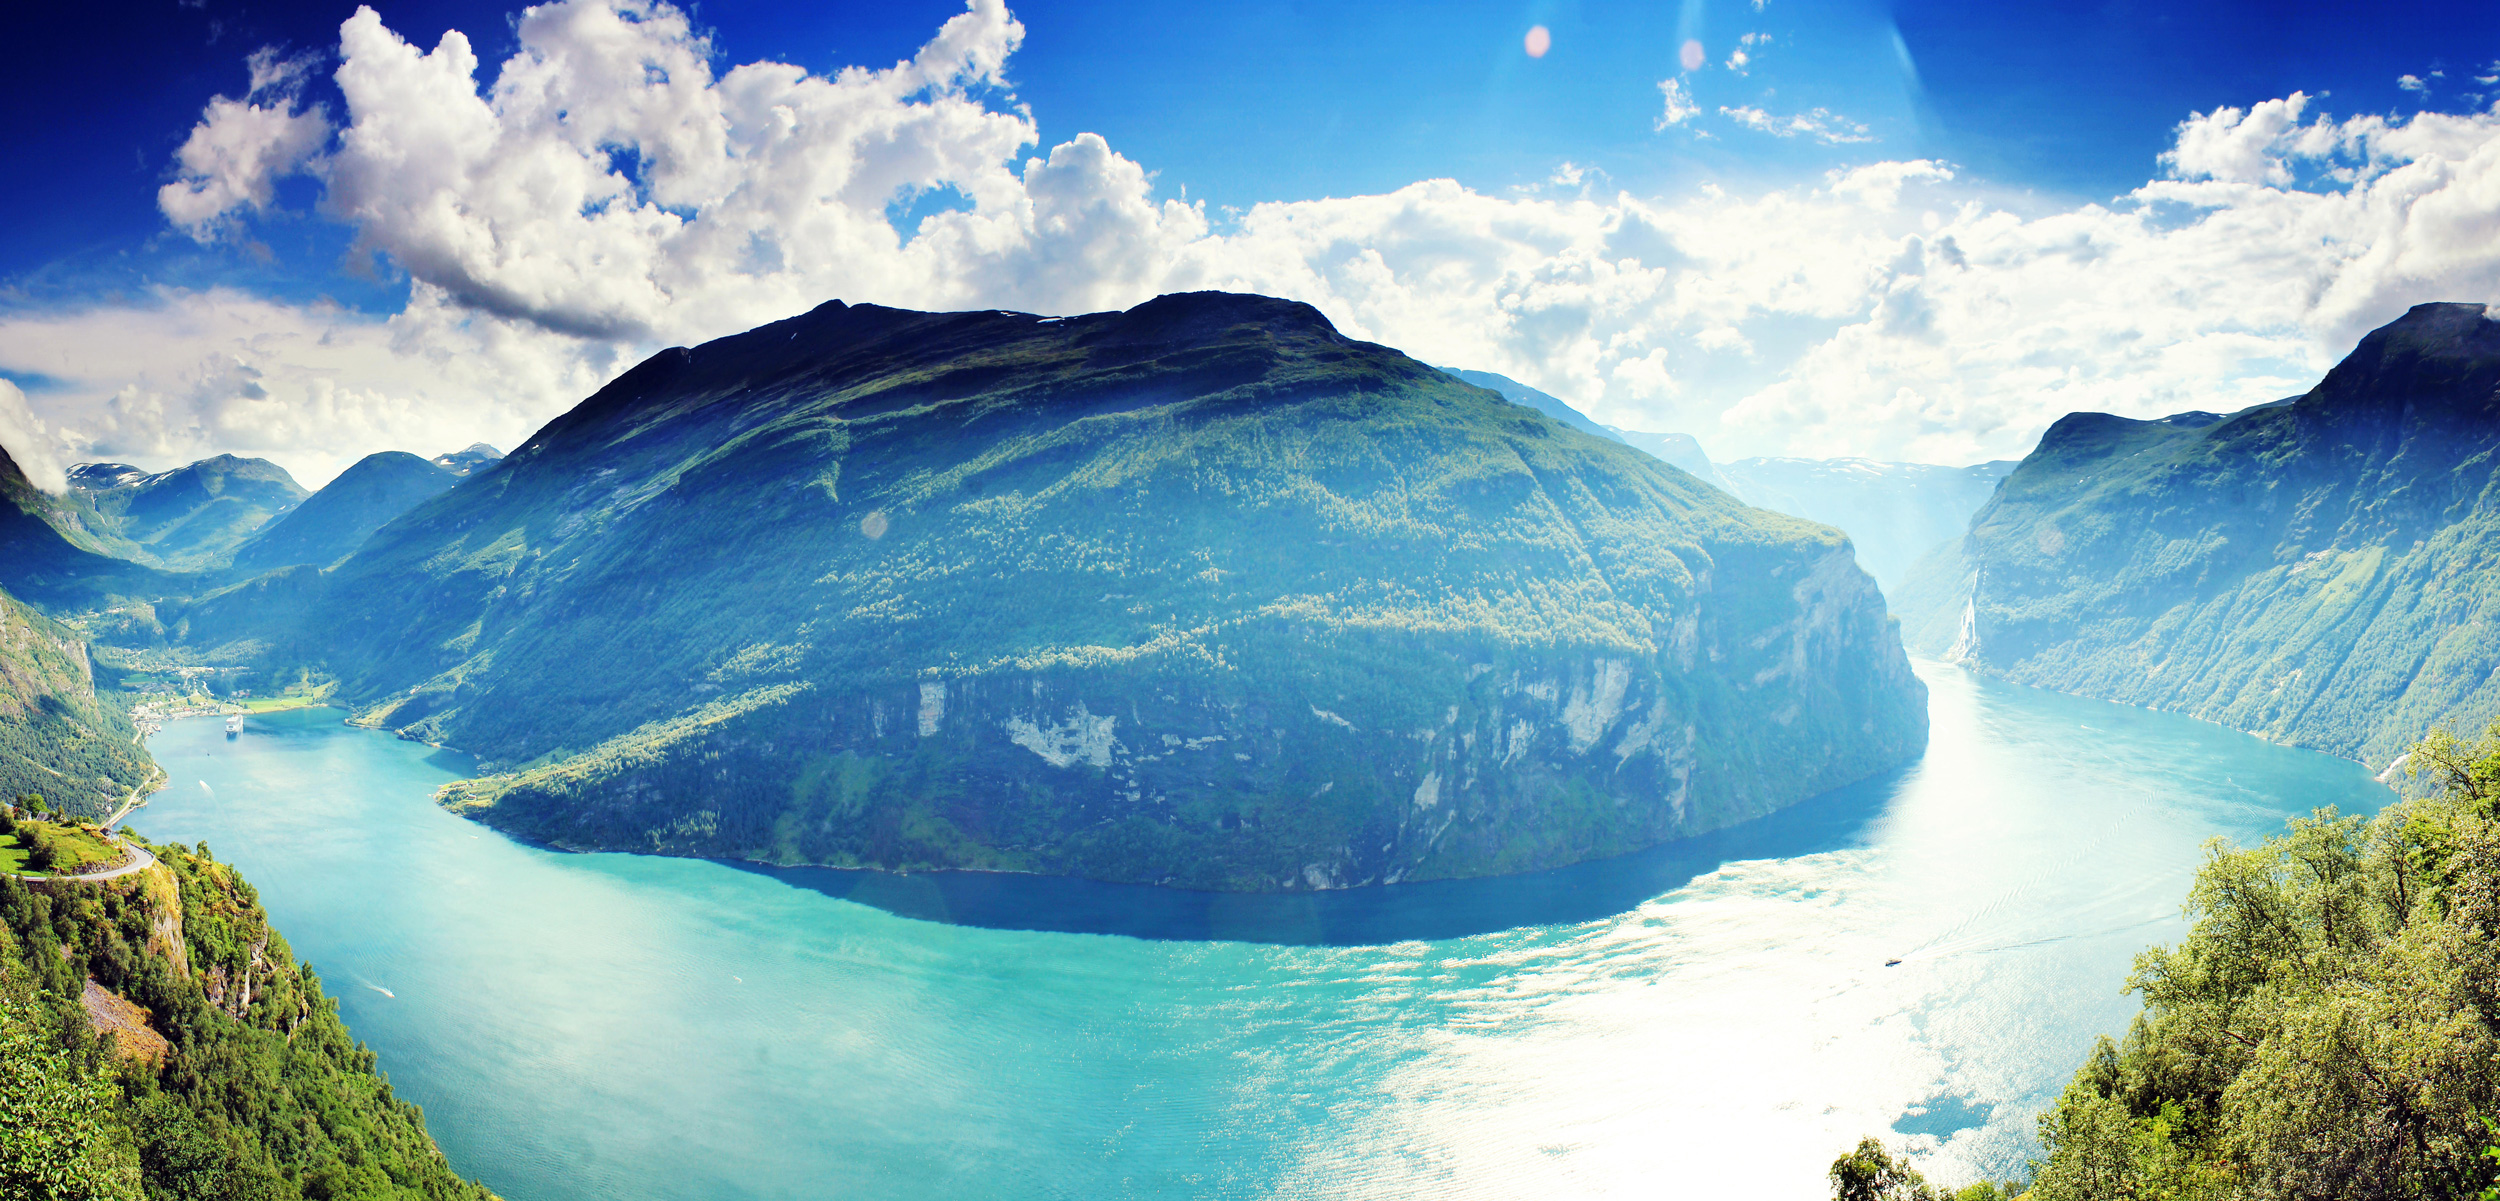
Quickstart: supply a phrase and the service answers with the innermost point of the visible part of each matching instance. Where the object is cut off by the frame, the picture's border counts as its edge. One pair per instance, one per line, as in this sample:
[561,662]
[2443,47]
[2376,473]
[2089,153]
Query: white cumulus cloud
[616,189]
[27,441]
[1680,107]
[234,157]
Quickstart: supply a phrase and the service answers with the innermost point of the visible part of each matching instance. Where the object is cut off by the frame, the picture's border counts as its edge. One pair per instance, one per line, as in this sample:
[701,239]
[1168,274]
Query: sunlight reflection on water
[609,1025]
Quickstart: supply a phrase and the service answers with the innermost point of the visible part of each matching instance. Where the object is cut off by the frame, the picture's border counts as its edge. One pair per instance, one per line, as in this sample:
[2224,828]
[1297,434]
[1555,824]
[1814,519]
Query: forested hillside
[333,522]
[2330,1027]
[57,740]
[158,1040]
[51,552]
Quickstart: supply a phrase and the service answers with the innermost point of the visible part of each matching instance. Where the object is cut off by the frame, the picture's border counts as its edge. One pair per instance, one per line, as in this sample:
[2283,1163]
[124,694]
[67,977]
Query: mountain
[336,520]
[1682,450]
[1201,593]
[1894,512]
[49,554]
[1521,394]
[190,517]
[2323,572]
[105,477]
[56,739]
[478,457]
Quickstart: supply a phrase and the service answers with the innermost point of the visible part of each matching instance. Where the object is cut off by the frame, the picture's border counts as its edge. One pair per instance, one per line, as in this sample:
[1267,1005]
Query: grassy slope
[72,846]
[1208,517]
[2320,572]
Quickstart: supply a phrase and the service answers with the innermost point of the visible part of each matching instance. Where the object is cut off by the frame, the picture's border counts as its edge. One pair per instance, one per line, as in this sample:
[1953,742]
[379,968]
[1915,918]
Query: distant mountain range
[1895,513]
[187,518]
[2323,571]
[333,522]
[1200,593]
[123,533]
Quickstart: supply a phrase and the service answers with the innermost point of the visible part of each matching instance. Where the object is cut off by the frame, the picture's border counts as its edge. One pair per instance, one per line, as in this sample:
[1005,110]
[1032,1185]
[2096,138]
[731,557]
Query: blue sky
[2030,111]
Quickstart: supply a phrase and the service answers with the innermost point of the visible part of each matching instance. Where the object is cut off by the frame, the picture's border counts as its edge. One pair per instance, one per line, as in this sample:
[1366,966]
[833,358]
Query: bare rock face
[1201,593]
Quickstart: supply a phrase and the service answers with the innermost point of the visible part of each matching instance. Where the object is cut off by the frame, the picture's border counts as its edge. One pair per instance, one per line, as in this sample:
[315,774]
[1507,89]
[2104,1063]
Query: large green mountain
[2323,571]
[336,520]
[1203,592]
[190,517]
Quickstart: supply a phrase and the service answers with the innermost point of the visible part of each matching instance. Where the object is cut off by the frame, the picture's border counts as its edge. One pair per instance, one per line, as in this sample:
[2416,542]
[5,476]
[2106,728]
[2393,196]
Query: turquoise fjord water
[1708,1016]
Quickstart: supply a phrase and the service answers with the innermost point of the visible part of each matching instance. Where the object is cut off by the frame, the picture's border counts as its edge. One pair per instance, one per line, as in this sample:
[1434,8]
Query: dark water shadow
[1436,909]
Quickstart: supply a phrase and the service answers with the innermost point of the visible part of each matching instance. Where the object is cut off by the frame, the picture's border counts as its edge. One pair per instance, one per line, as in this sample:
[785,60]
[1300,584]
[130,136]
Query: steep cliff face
[1324,759]
[57,740]
[1201,593]
[2319,571]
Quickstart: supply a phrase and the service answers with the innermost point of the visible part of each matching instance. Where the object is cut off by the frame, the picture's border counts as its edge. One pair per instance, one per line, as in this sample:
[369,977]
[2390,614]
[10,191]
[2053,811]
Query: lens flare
[1692,55]
[1540,40]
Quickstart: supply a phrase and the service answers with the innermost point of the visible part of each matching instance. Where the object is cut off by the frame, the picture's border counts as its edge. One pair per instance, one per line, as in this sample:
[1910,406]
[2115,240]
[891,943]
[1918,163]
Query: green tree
[2330,1026]
[1870,1173]
[58,1134]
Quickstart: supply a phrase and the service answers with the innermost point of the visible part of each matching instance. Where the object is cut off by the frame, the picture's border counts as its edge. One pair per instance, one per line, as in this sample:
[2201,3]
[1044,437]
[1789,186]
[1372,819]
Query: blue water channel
[1714,1016]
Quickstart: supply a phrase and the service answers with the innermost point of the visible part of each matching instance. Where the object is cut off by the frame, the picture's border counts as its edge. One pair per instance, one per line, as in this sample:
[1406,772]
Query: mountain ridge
[2318,571]
[875,587]
[333,522]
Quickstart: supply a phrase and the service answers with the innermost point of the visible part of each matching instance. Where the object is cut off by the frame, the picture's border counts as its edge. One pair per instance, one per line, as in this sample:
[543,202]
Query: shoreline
[152,724]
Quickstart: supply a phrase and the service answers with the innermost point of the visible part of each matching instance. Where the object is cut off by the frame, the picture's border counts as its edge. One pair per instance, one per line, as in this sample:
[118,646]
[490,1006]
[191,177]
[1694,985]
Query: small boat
[1892,963]
[234,724]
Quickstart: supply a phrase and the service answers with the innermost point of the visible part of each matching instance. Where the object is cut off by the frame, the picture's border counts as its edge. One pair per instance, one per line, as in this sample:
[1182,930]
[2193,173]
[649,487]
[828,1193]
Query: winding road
[140,860]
